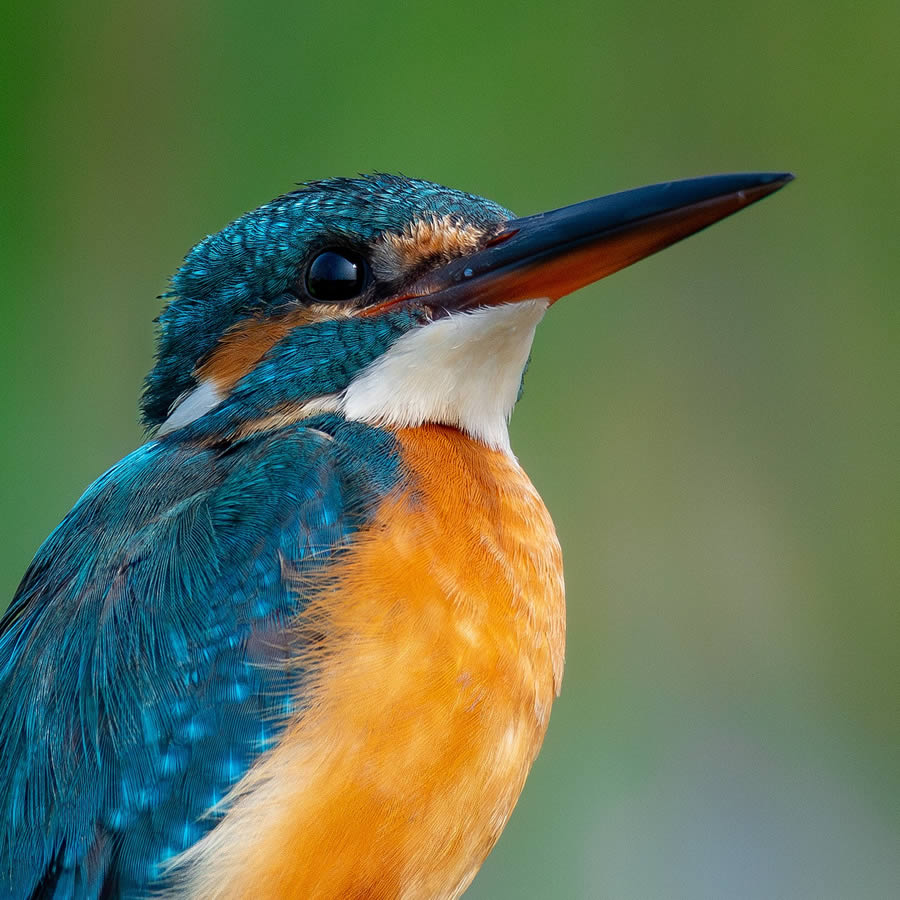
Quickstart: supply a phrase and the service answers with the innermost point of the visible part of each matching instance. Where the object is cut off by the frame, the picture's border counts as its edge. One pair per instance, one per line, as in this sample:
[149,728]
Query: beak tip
[774,181]
[754,186]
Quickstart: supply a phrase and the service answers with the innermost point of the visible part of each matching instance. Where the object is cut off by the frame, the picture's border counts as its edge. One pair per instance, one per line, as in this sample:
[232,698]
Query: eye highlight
[335,275]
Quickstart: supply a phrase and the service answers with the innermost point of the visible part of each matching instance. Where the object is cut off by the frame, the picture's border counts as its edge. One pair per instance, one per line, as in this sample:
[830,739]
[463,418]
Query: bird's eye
[335,275]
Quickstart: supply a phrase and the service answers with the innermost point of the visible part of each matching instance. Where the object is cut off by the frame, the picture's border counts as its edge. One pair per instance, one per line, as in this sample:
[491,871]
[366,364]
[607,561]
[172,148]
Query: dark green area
[715,431]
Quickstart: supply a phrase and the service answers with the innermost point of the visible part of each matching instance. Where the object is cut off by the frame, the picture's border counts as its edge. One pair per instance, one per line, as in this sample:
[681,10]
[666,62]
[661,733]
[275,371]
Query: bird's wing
[144,663]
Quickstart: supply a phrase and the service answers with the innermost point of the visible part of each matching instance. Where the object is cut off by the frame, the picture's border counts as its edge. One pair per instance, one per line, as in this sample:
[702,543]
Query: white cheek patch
[463,370]
[197,403]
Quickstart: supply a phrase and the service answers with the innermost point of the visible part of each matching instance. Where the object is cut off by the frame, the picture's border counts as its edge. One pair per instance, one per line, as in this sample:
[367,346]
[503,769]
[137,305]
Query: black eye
[334,275]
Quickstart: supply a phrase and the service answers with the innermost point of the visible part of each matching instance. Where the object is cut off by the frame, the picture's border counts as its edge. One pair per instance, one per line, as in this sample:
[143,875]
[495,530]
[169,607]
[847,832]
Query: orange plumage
[451,606]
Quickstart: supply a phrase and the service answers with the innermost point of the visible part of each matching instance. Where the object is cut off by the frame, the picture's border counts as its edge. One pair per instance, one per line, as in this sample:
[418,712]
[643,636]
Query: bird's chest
[437,650]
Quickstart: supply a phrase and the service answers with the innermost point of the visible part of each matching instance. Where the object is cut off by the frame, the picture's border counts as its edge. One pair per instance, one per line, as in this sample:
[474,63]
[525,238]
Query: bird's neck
[463,370]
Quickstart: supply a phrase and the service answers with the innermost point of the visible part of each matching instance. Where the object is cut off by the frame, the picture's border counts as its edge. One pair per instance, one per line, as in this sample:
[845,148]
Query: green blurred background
[715,430]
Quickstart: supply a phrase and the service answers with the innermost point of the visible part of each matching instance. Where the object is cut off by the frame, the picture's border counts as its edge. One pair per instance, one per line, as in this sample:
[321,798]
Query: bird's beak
[552,254]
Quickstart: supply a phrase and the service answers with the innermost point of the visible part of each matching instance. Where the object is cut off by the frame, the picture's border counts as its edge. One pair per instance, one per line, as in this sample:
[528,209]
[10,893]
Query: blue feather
[145,661]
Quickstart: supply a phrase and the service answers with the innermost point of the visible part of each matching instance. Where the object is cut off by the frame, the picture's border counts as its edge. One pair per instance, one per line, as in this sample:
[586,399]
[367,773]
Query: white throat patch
[463,370]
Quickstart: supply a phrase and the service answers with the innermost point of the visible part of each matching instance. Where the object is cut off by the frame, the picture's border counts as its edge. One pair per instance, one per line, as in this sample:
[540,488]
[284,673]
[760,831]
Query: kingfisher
[305,640]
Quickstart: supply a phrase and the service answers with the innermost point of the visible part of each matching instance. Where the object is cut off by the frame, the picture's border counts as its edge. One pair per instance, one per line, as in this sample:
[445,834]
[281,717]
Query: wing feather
[144,661]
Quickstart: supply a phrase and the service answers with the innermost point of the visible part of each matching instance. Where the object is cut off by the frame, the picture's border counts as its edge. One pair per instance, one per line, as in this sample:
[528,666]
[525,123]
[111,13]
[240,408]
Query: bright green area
[715,431]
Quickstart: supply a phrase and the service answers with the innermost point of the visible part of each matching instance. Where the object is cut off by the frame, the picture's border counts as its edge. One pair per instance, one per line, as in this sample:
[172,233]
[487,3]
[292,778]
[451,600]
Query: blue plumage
[143,661]
[310,362]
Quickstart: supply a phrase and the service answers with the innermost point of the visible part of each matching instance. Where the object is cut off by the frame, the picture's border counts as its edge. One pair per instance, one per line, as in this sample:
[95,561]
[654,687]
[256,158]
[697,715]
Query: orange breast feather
[438,650]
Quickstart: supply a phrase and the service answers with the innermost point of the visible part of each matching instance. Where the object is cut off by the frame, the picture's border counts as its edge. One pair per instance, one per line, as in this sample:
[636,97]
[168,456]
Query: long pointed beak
[554,253]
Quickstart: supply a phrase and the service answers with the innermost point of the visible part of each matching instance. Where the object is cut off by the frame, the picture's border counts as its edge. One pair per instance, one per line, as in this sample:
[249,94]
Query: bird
[304,641]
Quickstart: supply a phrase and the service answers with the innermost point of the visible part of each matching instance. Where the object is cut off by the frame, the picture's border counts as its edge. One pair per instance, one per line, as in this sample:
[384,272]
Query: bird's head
[394,301]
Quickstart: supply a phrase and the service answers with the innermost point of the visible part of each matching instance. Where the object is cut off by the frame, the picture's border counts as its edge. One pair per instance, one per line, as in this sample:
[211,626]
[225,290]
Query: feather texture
[435,649]
[143,663]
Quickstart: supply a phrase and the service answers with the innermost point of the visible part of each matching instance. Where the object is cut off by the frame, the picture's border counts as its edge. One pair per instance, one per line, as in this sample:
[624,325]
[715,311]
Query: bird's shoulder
[144,661]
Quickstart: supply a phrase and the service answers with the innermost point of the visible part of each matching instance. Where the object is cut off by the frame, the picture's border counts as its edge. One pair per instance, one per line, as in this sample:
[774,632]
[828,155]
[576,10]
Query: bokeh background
[715,430]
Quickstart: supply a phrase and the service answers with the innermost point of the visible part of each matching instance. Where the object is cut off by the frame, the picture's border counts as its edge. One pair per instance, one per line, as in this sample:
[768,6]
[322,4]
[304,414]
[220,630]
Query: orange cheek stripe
[243,346]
